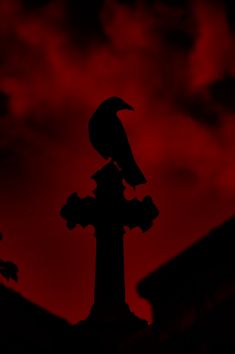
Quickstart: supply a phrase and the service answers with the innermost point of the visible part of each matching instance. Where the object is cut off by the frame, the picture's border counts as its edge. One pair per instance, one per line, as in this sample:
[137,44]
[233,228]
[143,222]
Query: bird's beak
[127,106]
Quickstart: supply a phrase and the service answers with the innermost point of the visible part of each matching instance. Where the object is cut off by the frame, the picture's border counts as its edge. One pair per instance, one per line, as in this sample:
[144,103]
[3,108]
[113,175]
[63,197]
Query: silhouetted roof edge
[12,295]
[218,245]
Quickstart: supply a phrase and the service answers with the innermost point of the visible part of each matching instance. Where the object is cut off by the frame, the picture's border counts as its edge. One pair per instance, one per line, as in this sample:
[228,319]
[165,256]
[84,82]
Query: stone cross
[110,214]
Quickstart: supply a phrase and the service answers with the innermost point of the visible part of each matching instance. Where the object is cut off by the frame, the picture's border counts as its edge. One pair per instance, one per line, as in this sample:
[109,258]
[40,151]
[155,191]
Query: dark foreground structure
[28,329]
[193,301]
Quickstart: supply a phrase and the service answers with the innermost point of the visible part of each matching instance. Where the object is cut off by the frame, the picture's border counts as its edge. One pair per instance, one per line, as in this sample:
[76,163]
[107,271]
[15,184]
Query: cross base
[118,322]
[120,314]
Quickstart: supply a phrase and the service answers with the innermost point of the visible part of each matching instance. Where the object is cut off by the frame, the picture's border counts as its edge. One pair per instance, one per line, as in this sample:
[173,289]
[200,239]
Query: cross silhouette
[110,214]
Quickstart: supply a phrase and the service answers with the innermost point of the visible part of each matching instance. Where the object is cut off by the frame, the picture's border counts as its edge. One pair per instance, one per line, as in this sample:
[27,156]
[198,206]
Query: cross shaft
[109,213]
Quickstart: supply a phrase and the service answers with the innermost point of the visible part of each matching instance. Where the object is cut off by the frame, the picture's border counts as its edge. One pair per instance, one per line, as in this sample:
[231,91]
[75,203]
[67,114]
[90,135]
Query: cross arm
[78,211]
[141,213]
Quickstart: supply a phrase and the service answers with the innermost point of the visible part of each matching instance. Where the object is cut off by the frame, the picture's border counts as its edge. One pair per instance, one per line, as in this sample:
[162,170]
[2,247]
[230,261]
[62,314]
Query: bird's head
[114,104]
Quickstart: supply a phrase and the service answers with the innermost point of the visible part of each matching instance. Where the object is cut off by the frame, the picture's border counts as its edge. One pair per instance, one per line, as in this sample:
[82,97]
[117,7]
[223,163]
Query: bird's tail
[133,174]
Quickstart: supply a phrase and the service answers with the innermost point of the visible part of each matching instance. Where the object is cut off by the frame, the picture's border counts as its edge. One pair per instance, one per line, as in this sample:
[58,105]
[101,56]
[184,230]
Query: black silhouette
[27,328]
[193,303]
[192,296]
[109,138]
[4,104]
[8,269]
[193,299]
[109,212]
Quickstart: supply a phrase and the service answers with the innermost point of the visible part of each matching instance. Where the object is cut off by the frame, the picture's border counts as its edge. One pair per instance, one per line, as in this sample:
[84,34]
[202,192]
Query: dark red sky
[58,61]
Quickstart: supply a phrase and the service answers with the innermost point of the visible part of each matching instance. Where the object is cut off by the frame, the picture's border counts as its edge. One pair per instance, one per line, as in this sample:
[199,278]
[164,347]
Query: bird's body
[109,138]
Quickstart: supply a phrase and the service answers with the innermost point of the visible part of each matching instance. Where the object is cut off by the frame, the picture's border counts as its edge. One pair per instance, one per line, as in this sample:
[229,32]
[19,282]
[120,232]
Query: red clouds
[158,58]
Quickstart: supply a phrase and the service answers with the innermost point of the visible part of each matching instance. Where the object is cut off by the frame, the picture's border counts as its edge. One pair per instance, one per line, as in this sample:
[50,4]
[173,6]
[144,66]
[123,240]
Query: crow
[108,137]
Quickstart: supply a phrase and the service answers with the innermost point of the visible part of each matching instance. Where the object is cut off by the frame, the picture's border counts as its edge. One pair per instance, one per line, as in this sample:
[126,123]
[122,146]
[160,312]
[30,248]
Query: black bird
[108,137]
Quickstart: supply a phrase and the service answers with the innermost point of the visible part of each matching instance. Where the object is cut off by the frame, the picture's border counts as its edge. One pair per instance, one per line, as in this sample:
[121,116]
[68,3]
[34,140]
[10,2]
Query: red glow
[45,154]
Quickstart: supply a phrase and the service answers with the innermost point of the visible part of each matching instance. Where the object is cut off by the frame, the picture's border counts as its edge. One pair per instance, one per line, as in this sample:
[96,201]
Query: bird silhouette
[108,137]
